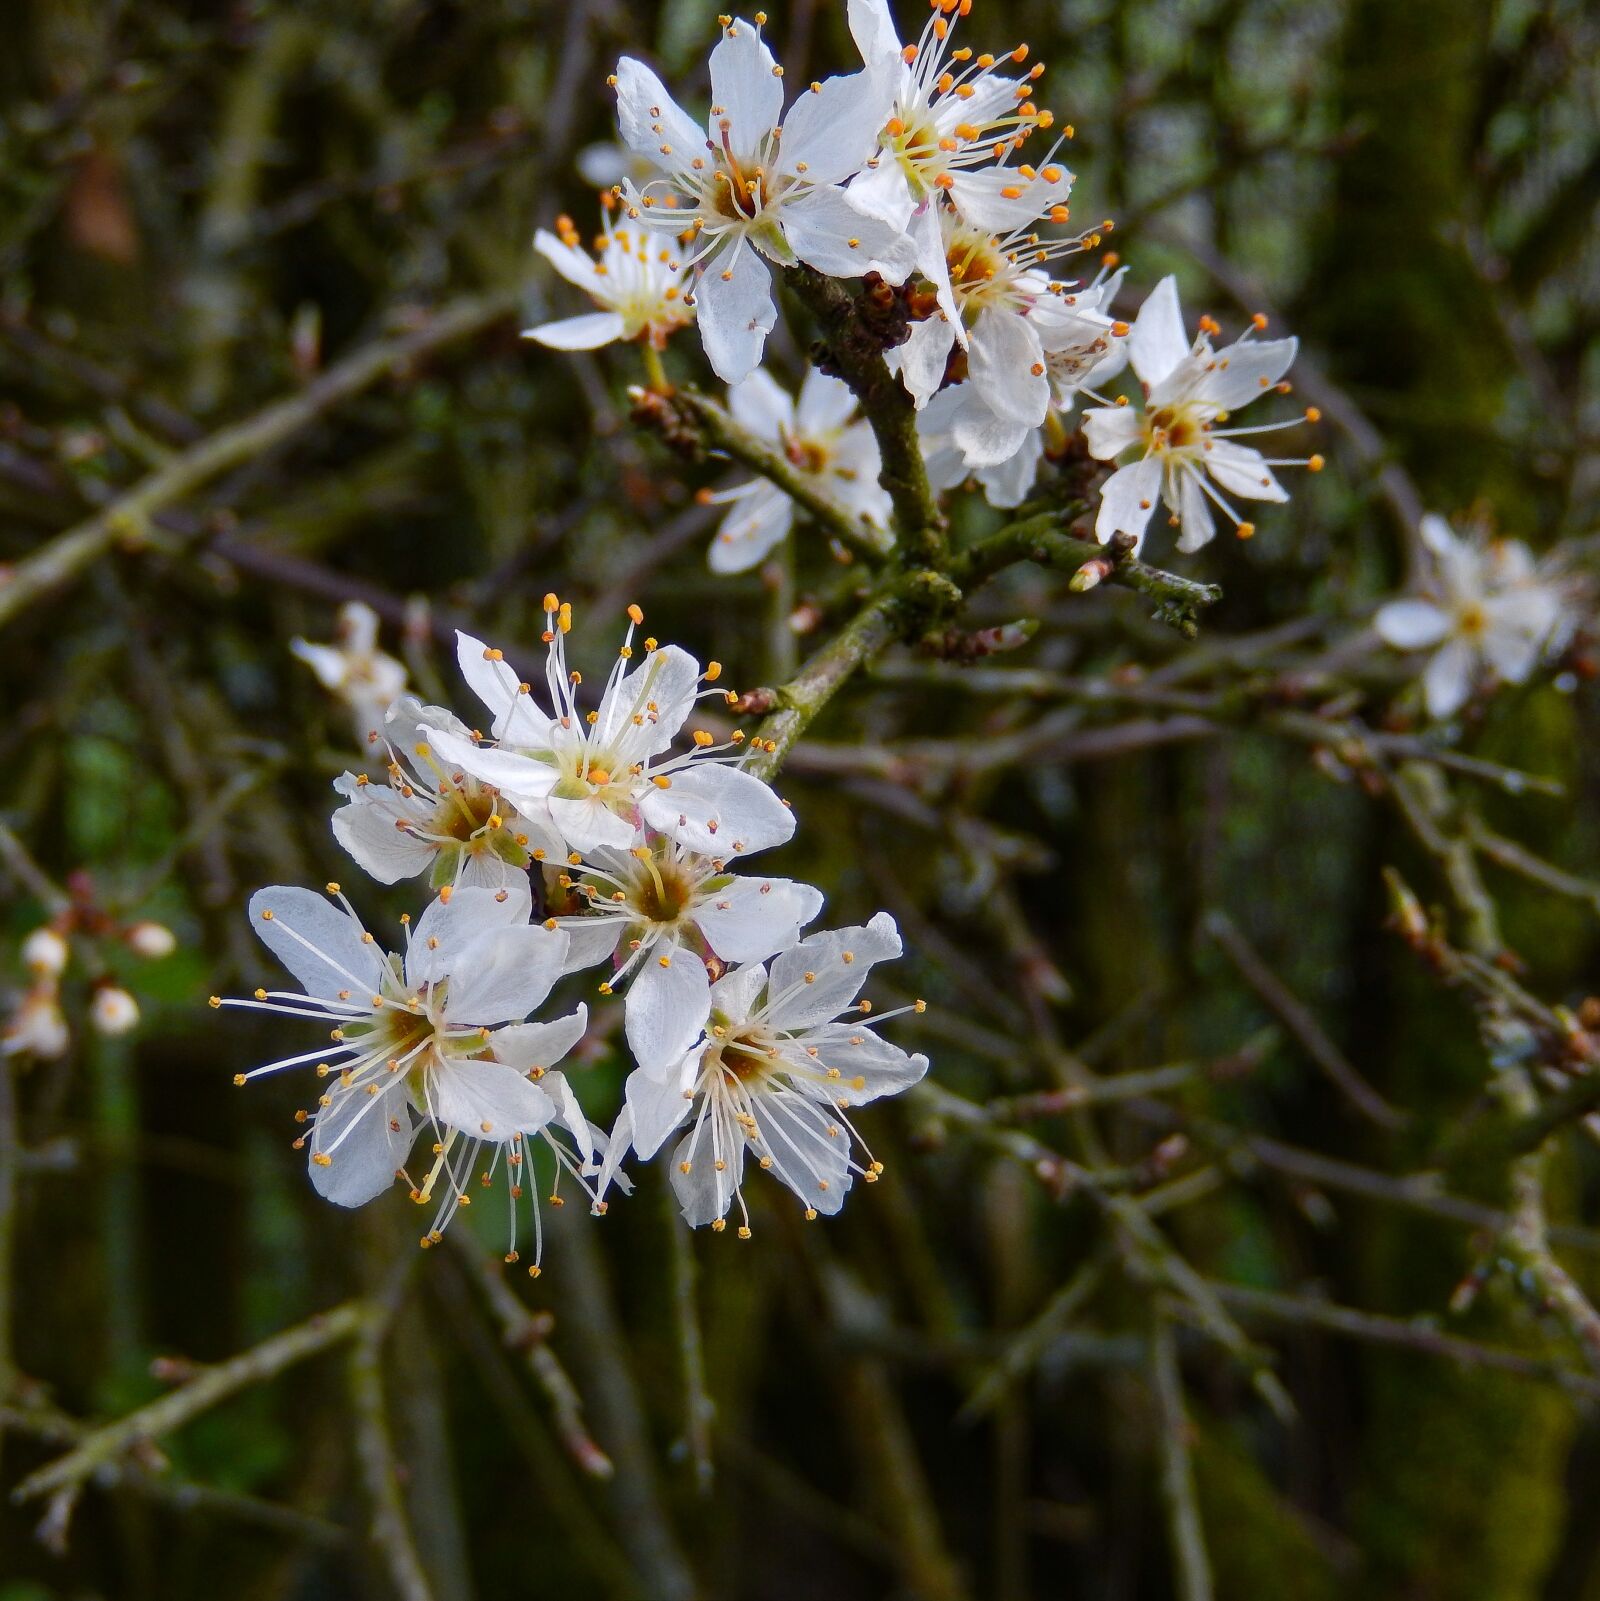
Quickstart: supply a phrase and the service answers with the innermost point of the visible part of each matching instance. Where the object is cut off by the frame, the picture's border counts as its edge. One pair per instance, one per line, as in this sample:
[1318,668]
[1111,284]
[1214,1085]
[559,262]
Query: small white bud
[113,1011]
[151,940]
[37,1028]
[44,952]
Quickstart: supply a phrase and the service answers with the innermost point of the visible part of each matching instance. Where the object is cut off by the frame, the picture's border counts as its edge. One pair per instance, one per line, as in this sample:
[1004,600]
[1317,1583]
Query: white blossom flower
[151,940]
[661,911]
[432,817]
[37,1027]
[637,281]
[417,1041]
[354,669]
[954,119]
[601,776]
[787,1050]
[113,1011]
[45,952]
[998,285]
[1186,458]
[939,424]
[820,440]
[743,188]
[1490,609]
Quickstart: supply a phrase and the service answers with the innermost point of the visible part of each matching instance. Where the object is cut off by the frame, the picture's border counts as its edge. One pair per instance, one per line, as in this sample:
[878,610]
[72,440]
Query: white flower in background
[997,284]
[743,188]
[637,281]
[38,1027]
[660,912]
[151,940]
[819,438]
[417,1041]
[1187,459]
[113,1011]
[45,953]
[1491,609]
[431,817]
[599,777]
[939,424]
[354,669]
[953,120]
[787,1050]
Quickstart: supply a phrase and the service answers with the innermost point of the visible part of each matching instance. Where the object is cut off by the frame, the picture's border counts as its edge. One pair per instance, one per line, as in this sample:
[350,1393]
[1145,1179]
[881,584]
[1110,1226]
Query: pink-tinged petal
[746,91]
[1157,344]
[718,810]
[922,358]
[1243,471]
[832,129]
[587,332]
[733,297]
[1127,500]
[649,118]
[1006,367]
[828,231]
[1447,681]
[486,1100]
[838,962]
[366,1139]
[1245,371]
[762,405]
[667,1006]
[1110,430]
[1411,624]
[753,918]
[318,942]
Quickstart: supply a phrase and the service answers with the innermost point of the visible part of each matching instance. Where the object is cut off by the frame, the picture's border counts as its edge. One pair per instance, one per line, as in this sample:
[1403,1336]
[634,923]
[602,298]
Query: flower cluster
[564,839]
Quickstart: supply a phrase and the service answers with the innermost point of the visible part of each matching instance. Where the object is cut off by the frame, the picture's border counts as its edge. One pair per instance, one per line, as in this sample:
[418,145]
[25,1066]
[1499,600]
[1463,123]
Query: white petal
[641,713]
[588,332]
[1127,500]
[1245,371]
[751,919]
[704,1192]
[667,1007]
[718,810]
[368,829]
[758,522]
[503,974]
[587,825]
[744,88]
[1007,483]
[815,1165]
[985,438]
[486,1100]
[1006,366]
[735,313]
[1447,681]
[762,405]
[1157,343]
[575,265]
[320,944]
[516,719]
[527,1046]
[649,118]
[838,962]
[655,1107]
[1243,471]
[591,940]
[1110,430]
[522,778]
[569,1113]
[872,28]
[868,1066]
[1438,535]
[922,358]
[882,191]
[1411,624]
[452,923]
[834,128]
[821,224]
[1196,525]
[735,994]
[979,195]
[370,1153]
[826,403]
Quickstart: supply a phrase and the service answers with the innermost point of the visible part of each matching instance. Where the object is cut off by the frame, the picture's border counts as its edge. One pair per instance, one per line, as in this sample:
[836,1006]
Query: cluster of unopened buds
[573,835]
[37,1023]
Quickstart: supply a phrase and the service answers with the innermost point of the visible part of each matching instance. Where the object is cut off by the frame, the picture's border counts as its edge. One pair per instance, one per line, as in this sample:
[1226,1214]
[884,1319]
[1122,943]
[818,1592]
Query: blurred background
[209,213]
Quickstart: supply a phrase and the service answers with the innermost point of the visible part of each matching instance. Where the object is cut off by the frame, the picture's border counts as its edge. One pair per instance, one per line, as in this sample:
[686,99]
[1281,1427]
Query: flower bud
[113,1011]
[37,1028]
[44,952]
[151,940]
